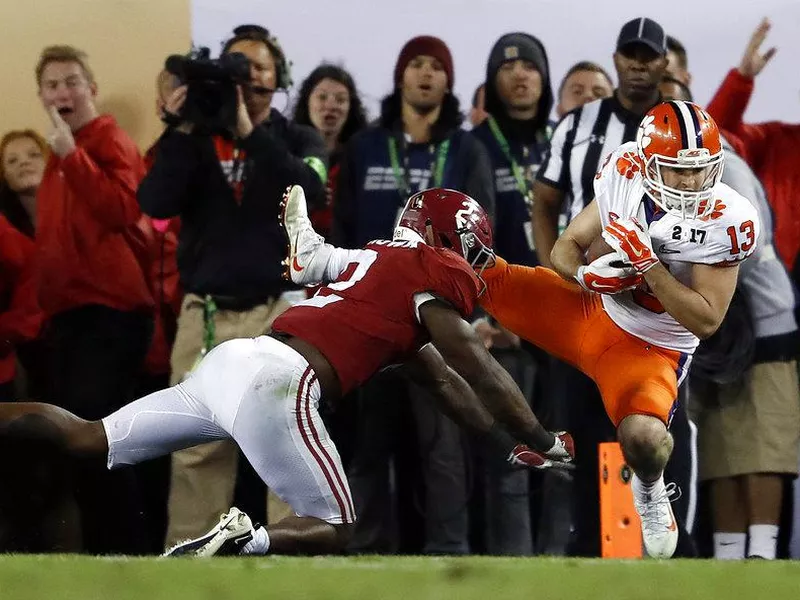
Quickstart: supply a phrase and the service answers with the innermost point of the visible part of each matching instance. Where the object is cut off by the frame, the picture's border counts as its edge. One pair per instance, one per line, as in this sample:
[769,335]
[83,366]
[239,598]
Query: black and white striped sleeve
[555,168]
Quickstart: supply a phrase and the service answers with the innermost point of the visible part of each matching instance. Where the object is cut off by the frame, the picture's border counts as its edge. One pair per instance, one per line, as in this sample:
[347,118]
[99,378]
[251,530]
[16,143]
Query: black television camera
[211,100]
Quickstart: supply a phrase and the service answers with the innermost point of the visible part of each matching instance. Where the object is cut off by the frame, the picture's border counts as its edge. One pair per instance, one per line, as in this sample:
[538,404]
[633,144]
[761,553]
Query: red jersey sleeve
[452,279]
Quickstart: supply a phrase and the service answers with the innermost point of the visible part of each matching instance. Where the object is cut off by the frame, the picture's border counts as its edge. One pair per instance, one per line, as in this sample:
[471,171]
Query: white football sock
[763,541]
[642,488]
[729,546]
[259,544]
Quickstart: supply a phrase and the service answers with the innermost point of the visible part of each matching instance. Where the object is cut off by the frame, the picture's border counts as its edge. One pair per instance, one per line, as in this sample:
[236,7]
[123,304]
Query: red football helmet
[680,136]
[448,219]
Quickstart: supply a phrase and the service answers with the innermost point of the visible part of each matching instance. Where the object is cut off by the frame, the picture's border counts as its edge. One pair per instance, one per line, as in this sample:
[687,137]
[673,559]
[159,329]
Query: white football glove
[602,277]
[632,239]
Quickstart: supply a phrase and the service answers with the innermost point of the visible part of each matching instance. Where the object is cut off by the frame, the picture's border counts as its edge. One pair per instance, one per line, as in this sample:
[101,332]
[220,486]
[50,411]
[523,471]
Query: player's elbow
[565,251]
[705,328]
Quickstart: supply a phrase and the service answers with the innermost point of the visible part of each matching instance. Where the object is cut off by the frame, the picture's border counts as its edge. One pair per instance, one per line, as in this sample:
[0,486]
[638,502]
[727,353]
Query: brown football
[597,248]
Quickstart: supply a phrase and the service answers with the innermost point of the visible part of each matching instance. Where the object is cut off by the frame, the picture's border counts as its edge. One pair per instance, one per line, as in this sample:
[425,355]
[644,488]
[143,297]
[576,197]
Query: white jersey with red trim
[726,236]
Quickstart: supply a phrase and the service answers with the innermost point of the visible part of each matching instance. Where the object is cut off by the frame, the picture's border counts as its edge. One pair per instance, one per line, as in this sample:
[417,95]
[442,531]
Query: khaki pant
[203,477]
[752,426]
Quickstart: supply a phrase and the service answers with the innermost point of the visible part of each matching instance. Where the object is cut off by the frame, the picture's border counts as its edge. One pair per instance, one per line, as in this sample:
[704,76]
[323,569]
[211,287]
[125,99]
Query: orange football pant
[634,376]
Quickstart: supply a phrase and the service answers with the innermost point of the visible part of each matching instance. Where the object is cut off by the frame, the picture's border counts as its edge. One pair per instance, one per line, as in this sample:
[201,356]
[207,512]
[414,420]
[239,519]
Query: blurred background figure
[584,82]
[677,61]
[23,154]
[771,149]
[516,133]
[477,112]
[417,143]
[92,280]
[329,102]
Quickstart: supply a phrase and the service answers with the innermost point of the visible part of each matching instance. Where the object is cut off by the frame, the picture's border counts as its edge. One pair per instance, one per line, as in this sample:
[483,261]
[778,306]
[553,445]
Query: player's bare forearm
[568,251]
[567,256]
[505,402]
[464,352]
[701,312]
[453,396]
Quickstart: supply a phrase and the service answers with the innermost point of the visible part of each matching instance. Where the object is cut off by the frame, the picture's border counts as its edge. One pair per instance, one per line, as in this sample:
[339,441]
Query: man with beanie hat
[518,98]
[417,143]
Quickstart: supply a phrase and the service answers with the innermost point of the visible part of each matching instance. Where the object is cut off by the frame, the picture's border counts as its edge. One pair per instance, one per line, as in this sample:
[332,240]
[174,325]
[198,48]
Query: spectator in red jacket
[92,281]
[771,149]
[23,154]
[20,318]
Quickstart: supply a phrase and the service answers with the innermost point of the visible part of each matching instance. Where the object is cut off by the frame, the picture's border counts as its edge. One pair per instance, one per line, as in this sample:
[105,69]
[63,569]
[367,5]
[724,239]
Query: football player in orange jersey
[632,324]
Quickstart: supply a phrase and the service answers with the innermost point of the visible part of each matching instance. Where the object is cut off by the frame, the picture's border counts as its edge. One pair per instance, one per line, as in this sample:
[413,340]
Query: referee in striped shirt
[589,133]
[564,185]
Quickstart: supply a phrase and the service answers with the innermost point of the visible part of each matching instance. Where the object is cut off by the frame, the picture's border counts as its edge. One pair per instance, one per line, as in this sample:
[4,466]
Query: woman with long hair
[330,103]
[23,154]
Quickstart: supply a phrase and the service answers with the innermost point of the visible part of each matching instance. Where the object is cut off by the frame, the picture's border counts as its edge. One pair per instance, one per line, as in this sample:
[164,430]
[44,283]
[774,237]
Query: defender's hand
[560,456]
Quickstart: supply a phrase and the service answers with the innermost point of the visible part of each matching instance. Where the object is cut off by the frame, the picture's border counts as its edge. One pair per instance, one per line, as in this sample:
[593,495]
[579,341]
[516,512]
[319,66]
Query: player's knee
[643,436]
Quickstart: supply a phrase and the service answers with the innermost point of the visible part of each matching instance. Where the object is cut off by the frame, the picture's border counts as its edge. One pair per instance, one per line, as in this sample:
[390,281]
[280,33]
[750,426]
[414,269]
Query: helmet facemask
[477,254]
[686,204]
[472,249]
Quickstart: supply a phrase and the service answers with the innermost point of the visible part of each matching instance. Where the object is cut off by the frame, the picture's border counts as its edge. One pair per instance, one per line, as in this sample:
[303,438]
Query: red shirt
[165,283]
[773,152]
[20,316]
[85,207]
[367,318]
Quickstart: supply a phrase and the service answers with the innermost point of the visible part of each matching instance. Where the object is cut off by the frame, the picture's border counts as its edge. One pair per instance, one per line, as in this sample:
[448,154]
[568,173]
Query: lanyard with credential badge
[523,185]
[401,175]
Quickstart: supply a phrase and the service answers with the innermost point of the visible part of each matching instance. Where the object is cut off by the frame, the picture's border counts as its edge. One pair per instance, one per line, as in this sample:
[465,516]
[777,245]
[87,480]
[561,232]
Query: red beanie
[426,45]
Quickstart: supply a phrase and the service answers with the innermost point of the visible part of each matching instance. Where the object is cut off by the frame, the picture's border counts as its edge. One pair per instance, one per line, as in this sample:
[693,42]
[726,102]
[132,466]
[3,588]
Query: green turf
[404,578]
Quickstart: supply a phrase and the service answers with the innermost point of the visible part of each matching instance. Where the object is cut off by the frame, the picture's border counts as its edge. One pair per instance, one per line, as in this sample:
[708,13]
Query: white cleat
[304,242]
[659,527]
[227,537]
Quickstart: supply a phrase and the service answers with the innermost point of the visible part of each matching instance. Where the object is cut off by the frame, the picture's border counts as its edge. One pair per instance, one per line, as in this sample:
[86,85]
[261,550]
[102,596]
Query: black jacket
[230,242]
[367,195]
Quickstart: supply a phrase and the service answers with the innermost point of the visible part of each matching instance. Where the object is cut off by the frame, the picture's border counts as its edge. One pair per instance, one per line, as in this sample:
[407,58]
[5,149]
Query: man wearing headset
[226,190]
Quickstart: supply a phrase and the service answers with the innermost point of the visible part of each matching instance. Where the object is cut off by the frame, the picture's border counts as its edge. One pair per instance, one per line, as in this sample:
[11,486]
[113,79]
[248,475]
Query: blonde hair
[18,134]
[63,53]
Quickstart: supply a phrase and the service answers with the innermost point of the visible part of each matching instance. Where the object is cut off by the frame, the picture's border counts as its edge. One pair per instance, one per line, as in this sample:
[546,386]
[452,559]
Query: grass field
[378,578]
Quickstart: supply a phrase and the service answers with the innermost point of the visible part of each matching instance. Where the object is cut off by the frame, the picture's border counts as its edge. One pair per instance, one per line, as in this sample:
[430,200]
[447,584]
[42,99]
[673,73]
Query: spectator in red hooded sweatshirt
[92,287]
[771,149]
[22,158]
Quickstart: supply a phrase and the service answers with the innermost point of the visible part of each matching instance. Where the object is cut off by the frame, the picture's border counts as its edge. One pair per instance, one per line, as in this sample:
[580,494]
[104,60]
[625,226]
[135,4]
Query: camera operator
[226,189]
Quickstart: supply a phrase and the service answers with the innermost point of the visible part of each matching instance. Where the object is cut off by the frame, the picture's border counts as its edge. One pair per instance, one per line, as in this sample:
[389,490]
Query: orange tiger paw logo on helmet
[628,165]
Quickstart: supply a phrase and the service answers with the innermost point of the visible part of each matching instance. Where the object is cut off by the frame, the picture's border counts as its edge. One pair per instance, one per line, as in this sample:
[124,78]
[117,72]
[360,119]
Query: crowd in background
[121,269]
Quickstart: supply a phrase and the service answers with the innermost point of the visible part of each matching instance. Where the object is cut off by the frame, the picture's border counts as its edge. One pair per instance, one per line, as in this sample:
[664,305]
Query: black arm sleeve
[306,168]
[344,208]
[165,190]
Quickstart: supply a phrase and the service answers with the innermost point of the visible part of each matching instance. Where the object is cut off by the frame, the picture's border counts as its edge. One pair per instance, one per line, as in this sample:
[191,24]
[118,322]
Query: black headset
[258,33]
